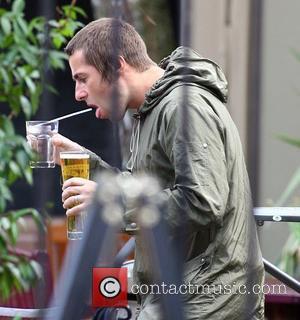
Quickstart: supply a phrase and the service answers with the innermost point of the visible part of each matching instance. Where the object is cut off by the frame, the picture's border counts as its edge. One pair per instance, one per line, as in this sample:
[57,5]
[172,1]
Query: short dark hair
[97,40]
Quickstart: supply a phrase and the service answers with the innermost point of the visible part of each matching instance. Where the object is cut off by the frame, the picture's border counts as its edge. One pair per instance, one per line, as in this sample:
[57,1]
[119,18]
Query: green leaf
[23,24]
[52,89]
[26,106]
[30,84]
[28,175]
[7,42]
[18,34]
[3,248]
[80,11]
[67,31]
[28,273]
[291,187]
[2,136]
[22,159]
[5,79]
[27,55]
[2,204]
[70,27]
[35,74]
[5,192]
[15,168]
[6,284]
[6,25]
[11,177]
[18,6]
[13,232]
[10,57]
[17,77]
[5,222]
[22,72]
[58,40]
[17,214]
[291,141]
[2,11]
[57,59]
[22,223]
[295,227]
[7,125]
[4,75]
[37,269]
[37,218]
[69,12]
[53,23]
[34,97]
[296,53]
[15,272]
[26,148]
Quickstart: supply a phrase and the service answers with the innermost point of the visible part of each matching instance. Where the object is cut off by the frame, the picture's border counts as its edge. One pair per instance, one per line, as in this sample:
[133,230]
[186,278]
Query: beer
[75,164]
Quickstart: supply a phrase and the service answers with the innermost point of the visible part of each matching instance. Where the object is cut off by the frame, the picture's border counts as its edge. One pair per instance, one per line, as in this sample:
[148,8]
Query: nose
[80,93]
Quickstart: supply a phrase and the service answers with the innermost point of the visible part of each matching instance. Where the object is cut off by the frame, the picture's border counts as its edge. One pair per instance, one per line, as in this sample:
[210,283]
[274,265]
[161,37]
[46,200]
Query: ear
[122,65]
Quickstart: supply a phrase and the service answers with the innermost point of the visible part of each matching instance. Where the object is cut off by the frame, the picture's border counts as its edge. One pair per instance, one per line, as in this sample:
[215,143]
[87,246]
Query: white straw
[65,116]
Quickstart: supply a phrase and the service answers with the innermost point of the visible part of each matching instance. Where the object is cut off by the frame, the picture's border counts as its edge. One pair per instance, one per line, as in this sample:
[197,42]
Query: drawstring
[134,141]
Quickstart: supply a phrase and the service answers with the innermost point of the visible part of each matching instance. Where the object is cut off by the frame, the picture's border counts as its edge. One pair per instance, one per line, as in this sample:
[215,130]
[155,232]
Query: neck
[141,84]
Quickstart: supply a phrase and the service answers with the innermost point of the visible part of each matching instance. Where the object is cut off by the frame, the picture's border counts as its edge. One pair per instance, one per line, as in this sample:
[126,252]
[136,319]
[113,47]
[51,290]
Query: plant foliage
[290,255]
[24,47]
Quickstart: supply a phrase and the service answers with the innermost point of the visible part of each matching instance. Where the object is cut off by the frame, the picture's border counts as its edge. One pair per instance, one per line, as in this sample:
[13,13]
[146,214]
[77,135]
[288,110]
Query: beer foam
[74,155]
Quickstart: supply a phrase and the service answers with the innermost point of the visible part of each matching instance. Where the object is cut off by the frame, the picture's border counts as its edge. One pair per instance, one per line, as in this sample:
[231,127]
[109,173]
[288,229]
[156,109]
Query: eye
[82,80]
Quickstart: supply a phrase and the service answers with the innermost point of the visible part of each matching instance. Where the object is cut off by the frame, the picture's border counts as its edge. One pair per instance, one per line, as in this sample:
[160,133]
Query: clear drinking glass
[75,164]
[39,134]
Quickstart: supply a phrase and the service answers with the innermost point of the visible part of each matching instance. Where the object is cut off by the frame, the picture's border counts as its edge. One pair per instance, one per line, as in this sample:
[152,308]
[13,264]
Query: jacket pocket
[195,267]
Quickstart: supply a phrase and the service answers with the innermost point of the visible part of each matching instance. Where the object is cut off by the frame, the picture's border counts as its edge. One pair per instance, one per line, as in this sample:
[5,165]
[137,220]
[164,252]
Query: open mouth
[92,106]
[97,111]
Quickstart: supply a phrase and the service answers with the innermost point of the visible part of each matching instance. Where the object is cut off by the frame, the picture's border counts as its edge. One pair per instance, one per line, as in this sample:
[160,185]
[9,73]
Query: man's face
[96,92]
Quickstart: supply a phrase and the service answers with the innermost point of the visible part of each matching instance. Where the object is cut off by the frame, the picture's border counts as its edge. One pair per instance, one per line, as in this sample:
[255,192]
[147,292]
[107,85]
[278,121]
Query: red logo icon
[109,287]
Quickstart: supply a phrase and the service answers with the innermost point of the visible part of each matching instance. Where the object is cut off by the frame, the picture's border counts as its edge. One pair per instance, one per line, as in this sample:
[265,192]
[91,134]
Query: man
[200,165]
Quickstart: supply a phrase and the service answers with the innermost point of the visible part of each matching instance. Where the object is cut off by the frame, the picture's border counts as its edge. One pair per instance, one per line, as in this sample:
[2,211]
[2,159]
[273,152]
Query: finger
[69,192]
[65,144]
[75,210]
[74,182]
[72,201]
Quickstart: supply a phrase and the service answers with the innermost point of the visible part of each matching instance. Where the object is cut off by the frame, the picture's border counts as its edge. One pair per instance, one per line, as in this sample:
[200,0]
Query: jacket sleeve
[97,165]
[194,143]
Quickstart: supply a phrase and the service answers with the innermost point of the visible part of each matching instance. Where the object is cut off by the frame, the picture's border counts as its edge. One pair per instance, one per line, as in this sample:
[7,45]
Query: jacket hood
[185,66]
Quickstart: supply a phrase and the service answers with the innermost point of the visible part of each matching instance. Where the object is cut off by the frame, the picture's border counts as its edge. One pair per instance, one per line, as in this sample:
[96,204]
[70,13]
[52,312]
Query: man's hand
[62,143]
[77,194]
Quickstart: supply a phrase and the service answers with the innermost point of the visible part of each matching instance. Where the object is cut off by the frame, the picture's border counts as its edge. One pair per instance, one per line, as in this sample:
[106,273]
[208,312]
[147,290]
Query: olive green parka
[184,136]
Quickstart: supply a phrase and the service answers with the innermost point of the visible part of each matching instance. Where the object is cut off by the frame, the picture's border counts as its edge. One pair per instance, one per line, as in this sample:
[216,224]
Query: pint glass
[75,164]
